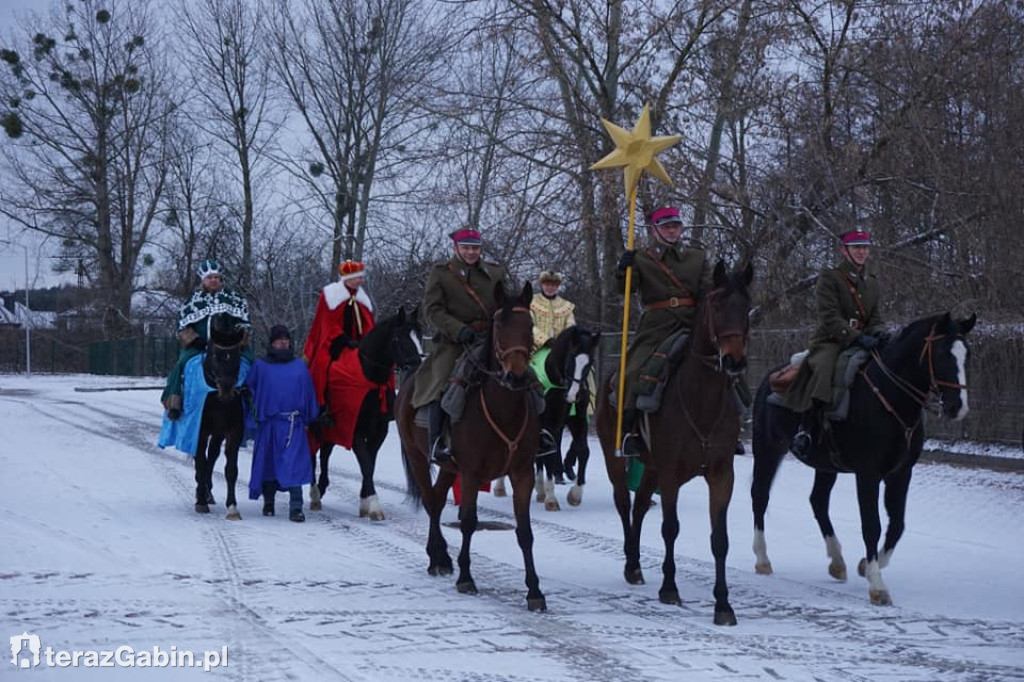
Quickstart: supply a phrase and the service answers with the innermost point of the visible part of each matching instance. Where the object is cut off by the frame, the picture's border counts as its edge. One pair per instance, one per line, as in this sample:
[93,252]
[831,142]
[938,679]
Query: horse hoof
[570,473]
[376,516]
[551,505]
[540,497]
[837,571]
[880,597]
[363,513]
[559,480]
[670,597]
[575,496]
[500,492]
[466,588]
[862,568]
[537,604]
[210,500]
[233,514]
[634,576]
[725,617]
[202,508]
[763,569]
[316,506]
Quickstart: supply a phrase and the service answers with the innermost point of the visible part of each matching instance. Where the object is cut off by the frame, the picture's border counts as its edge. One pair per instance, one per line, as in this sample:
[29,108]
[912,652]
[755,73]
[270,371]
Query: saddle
[848,364]
[650,385]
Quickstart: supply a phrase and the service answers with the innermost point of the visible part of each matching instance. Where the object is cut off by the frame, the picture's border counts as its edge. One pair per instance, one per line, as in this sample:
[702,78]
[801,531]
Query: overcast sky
[12,258]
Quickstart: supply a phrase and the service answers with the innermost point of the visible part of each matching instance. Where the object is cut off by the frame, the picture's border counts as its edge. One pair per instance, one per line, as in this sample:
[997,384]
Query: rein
[917,395]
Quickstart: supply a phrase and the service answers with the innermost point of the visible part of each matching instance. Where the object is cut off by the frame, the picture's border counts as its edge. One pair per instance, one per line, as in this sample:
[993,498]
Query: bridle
[501,353]
[716,360]
[920,398]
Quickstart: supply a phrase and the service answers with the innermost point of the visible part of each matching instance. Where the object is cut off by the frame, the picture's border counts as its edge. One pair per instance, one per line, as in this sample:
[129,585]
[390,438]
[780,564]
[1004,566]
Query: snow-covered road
[102,549]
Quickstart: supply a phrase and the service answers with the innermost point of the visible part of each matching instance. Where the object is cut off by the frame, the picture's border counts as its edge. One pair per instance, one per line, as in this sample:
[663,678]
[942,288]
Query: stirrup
[547,445]
[801,444]
[632,446]
[439,454]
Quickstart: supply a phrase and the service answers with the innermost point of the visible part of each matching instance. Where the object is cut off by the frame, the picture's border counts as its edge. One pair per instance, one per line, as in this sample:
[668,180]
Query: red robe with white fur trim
[329,323]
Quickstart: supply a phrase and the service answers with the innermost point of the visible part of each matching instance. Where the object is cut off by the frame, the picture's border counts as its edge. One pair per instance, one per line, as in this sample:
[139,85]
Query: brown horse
[498,434]
[693,434]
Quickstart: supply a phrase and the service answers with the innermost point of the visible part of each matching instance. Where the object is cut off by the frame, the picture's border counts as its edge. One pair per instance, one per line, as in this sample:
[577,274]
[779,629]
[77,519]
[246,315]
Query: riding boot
[632,443]
[547,444]
[439,451]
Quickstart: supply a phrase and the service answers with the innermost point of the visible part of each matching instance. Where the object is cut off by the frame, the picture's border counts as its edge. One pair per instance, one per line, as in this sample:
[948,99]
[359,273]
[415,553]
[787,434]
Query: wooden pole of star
[635,150]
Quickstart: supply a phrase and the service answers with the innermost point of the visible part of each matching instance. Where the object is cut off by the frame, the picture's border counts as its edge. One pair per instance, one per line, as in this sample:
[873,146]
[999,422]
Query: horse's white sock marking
[760,547]
[959,351]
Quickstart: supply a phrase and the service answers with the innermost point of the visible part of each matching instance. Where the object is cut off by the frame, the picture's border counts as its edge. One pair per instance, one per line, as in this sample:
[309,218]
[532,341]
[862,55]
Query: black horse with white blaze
[880,440]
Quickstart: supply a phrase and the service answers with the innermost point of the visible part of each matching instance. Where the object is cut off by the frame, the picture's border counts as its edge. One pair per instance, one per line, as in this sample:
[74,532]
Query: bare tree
[230,79]
[87,121]
[355,71]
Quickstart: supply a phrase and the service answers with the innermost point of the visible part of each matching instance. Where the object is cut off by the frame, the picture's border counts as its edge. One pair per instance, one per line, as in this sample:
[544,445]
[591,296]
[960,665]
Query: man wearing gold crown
[344,315]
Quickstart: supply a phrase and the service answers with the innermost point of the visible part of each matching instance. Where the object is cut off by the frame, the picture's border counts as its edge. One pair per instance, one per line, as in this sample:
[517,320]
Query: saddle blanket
[347,387]
[183,433]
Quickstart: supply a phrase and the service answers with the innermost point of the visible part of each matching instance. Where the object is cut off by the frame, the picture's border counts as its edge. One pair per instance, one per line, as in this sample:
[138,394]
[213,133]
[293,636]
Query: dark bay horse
[498,434]
[568,368]
[693,434]
[392,343]
[879,441]
[222,421]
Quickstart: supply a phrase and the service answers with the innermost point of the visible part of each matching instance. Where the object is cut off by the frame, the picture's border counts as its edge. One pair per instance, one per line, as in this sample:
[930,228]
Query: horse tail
[413,494]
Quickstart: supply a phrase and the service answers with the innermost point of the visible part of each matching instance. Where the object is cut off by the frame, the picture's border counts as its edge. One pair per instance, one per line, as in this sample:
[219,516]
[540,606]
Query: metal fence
[152,356]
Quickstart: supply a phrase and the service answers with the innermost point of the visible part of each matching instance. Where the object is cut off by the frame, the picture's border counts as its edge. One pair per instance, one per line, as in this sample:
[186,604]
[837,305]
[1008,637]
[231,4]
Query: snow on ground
[103,550]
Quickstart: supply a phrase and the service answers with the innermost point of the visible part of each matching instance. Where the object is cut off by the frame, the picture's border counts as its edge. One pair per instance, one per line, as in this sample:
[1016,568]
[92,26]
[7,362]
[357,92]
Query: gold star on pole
[636,151]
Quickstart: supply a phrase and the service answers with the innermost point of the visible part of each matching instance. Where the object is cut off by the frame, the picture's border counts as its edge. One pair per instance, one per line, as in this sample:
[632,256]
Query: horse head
[723,326]
[406,339]
[512,333]
[938,345]
[577,345]
[223,355]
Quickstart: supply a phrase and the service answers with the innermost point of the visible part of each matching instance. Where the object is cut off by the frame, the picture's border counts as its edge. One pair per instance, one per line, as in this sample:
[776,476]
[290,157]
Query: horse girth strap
[511,444]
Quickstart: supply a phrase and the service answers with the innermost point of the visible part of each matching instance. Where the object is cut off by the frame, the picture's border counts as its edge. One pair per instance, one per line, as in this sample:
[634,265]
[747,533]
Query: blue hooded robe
[283,403]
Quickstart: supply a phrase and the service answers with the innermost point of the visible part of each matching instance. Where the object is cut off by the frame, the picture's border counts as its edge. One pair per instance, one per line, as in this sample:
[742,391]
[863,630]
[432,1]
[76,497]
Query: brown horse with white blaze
[497,435]
[693,434]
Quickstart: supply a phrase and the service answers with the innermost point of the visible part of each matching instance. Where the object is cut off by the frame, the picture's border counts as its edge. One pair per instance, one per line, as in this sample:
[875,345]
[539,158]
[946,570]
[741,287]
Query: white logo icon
[25,644]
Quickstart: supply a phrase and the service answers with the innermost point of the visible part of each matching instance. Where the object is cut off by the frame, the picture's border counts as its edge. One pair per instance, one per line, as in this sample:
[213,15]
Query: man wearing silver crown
[193,328]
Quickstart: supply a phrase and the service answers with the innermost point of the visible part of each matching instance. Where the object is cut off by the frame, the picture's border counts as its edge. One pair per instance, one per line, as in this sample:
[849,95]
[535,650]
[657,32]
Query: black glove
[466,335]
[198,343]
[338,344]
[866,341]
[324,419]
[626,260]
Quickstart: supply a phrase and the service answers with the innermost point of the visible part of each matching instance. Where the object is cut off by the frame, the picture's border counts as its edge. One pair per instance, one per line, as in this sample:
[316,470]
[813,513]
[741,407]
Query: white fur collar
[337,293]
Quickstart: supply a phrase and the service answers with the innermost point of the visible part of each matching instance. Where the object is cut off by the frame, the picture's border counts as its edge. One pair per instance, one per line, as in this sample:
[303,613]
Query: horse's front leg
[579,451]
[365,448]
[203,476]
[669,593]
[231,445]
[821,493]
[719,494]
[468,523]
[641,505]
[535,600]
[871,529]
[434,500]
[325,460]
[896,488]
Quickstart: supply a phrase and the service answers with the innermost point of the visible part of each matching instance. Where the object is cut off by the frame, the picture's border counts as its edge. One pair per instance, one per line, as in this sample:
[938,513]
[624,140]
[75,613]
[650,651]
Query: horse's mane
[919,326]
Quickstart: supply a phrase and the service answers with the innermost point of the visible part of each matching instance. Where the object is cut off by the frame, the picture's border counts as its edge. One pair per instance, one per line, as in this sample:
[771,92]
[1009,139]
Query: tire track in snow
[840,635]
